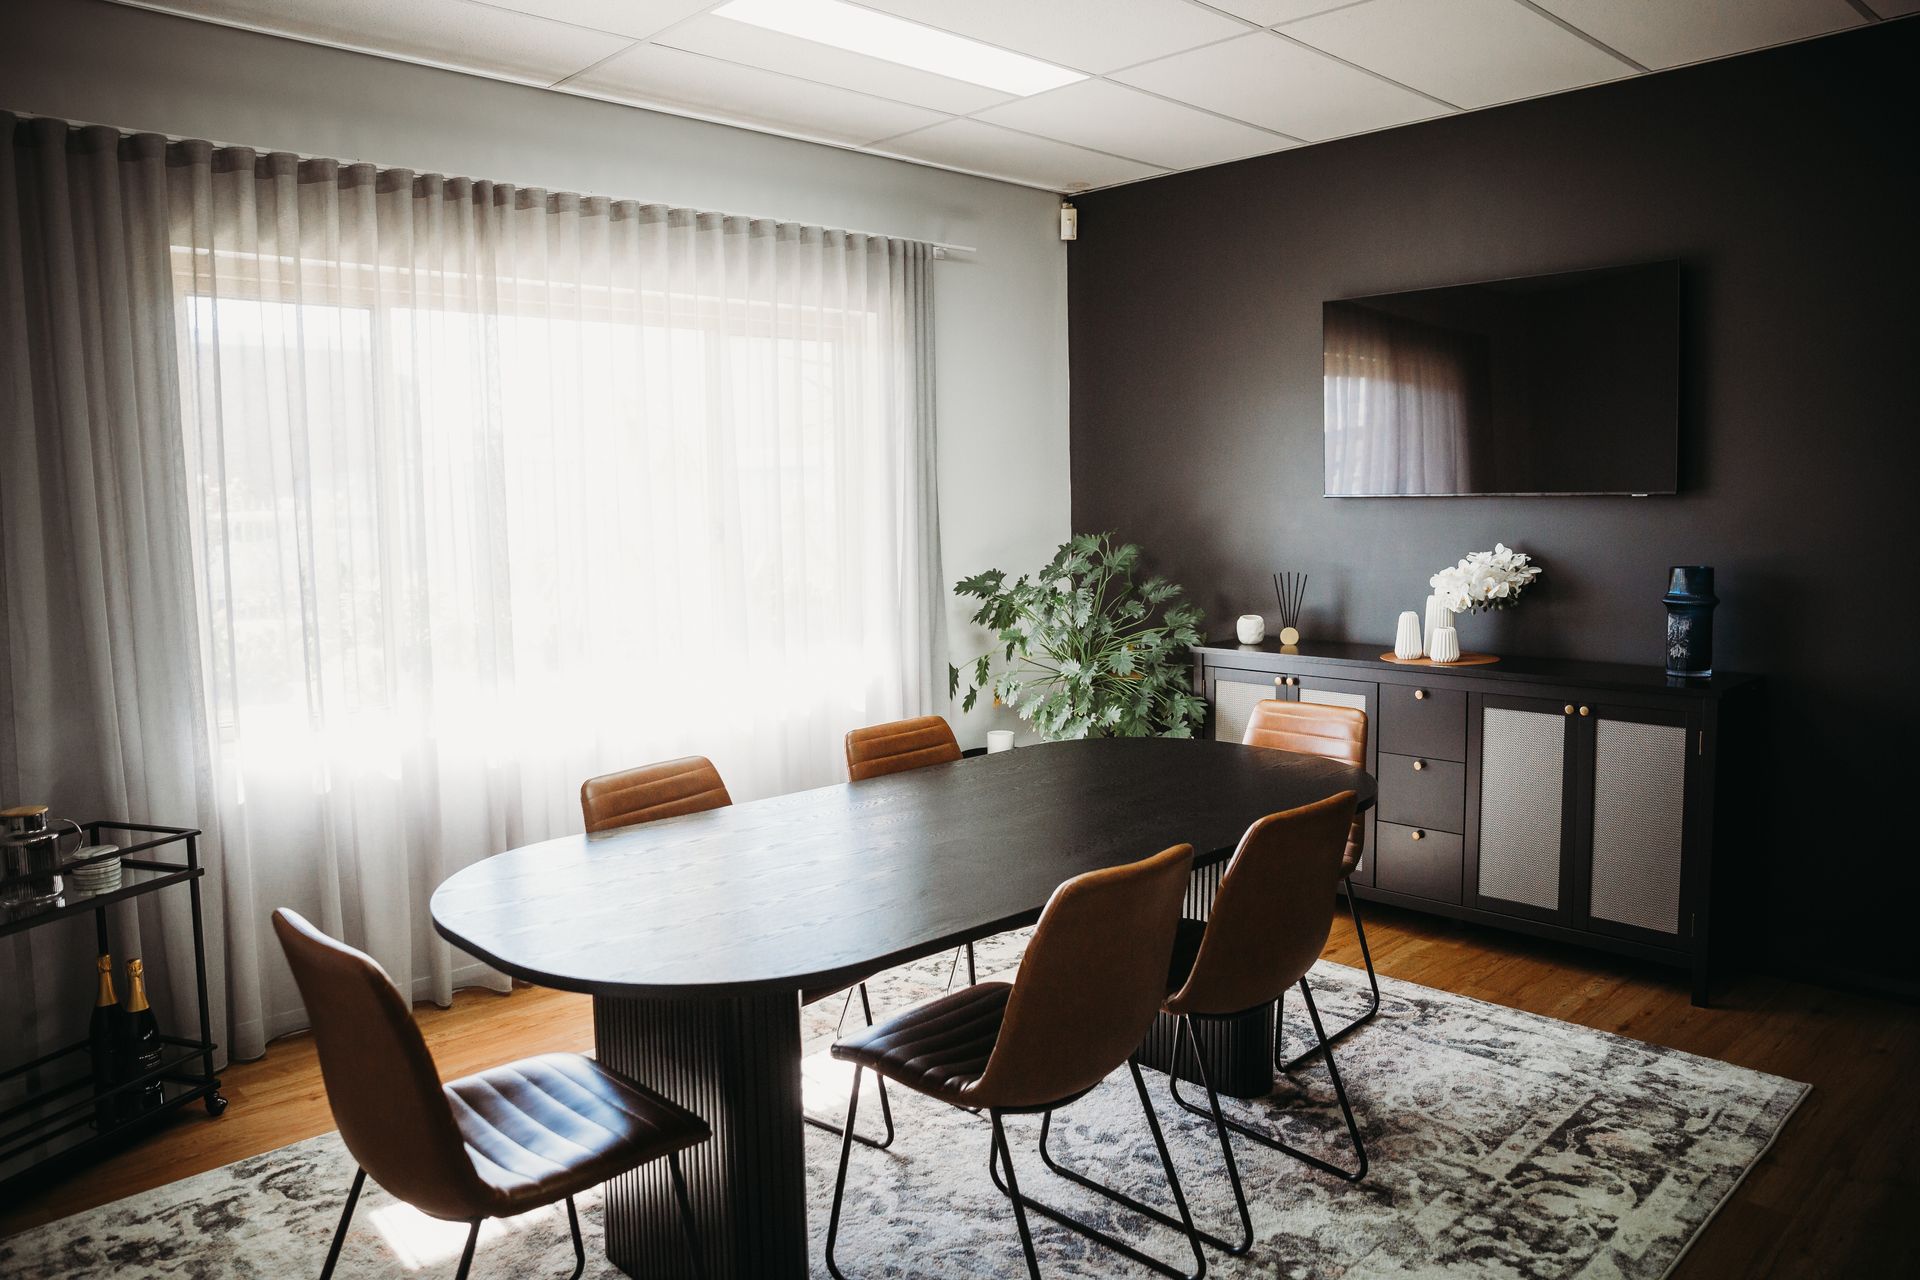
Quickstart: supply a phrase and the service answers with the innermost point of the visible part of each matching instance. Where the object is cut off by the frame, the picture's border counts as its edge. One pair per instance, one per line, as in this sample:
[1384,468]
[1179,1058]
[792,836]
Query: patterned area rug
[1504,1145]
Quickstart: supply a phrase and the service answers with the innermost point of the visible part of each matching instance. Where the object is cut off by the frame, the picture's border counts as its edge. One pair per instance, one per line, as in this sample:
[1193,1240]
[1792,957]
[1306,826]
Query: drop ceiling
[1162,85]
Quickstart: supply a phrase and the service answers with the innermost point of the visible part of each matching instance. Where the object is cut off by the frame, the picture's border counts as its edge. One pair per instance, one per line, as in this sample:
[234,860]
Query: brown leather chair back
[381,1081]
[666,790]
[1090,984]
[1272,912]
[898,746]
[1316,729]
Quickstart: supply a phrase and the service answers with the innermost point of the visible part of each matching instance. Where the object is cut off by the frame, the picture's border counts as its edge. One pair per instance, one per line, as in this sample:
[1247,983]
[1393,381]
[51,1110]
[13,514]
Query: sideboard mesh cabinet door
[1234,698]
[1639,810]
[1523,769]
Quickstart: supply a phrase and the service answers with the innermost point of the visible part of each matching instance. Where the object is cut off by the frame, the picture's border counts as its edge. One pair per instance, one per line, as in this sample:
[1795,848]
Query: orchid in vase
[1485,580]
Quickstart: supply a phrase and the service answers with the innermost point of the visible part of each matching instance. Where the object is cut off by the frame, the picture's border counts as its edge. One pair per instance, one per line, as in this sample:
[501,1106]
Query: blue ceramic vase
[1690,601]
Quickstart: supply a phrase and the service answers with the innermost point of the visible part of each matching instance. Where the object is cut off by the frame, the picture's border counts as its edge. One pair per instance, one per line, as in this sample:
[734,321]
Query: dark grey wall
[1788,184]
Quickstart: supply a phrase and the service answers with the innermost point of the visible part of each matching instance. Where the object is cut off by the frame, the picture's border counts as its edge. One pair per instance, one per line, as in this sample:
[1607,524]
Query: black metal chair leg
[1159,1215]
[1012,1188]
[688,1228]
[972,978]
[579,1245]
[1282,1063]
[1267,1140]
[1184,1223]
[886,1108]
[466,1255]
[840,1181]
[346,1216]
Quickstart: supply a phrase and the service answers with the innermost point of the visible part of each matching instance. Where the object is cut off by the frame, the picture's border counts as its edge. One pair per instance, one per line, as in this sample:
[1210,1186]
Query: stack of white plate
[98,877]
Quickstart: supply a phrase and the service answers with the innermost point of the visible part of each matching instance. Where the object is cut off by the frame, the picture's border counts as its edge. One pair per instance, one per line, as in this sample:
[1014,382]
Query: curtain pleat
[357,516]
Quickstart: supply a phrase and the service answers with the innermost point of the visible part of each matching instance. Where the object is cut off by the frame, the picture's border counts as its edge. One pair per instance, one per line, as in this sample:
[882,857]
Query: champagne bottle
[141,1040]
[100,1044]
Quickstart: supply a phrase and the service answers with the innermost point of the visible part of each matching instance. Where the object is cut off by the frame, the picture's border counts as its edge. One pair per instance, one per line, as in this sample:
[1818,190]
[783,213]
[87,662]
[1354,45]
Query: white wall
[1000,314]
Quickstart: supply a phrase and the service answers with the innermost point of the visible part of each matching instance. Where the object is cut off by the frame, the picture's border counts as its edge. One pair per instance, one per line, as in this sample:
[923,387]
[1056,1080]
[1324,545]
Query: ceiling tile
[1002,153]
[1269,12]
[776,51]
[1473,53]
[1126,122]
[1090,35]
[1270,82]
[649,75]
[455,33]
[637,18]
[1666,35]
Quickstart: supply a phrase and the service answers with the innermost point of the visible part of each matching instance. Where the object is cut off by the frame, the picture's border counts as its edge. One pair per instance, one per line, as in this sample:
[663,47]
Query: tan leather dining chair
[492,1145]
[897,747]
[672,789]
[1270,918]
[666,790]
[1333,733]
[1089,987]
[900,745]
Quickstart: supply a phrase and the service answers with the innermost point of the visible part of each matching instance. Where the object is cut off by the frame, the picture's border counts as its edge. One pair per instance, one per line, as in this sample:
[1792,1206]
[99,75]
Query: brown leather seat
[1088,988]
[1269,920]
[938,1048]
[900,745]
[1316,729]
[666,790]
[484,1146]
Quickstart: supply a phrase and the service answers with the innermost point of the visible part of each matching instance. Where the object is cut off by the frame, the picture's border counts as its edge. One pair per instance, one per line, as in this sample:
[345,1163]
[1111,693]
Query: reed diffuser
[1290,589]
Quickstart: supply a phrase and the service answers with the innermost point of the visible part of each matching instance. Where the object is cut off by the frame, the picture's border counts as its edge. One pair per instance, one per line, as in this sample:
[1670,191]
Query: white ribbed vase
[1445,646]
[1438,616]
[1406,643]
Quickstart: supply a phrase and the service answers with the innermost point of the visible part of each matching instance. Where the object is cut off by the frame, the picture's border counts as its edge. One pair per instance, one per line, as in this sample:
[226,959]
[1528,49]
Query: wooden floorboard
[1834,1197]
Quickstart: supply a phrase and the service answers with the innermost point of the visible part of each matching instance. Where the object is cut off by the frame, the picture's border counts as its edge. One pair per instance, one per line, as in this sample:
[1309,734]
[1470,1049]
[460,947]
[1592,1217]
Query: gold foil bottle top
[136,986]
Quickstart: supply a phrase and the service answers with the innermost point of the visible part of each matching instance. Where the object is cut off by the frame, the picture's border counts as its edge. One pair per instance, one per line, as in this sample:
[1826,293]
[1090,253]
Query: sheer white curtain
[1401,399]
[357,516]
[495,489]
[101,711]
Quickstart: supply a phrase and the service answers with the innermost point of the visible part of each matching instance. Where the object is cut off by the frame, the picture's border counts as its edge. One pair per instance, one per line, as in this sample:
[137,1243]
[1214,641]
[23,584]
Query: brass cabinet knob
[1569,708]
[1419,835]
[1419,695]
[1584,711]
[1418,765]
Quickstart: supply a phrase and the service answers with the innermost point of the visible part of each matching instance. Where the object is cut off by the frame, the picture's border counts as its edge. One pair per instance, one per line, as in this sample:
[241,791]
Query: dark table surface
[824,886]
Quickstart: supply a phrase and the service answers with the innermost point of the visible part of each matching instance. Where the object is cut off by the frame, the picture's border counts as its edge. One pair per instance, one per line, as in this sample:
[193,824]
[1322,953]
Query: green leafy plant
[1085,651]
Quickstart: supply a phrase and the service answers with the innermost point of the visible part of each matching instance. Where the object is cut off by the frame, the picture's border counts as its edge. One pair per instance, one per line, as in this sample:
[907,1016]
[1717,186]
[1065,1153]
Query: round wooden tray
[1464,660]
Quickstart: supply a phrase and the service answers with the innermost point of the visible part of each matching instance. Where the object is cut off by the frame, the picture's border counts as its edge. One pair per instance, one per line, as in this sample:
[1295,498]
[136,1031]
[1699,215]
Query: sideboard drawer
[1418,792]
[1418,861]
[1421,720]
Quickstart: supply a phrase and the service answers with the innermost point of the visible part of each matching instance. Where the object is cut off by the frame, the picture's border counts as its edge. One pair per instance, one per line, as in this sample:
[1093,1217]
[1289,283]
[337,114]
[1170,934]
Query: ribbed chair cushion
[938,1048]
[552,1126]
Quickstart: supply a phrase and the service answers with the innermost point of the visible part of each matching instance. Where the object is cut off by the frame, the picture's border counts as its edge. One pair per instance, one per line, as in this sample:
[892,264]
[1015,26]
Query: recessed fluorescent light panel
[881,35]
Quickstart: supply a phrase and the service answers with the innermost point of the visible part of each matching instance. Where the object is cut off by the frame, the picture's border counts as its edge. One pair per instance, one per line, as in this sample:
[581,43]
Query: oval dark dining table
[695,935]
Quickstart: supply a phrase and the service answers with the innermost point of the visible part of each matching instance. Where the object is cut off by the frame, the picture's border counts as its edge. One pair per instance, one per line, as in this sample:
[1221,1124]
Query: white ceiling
[1172,84]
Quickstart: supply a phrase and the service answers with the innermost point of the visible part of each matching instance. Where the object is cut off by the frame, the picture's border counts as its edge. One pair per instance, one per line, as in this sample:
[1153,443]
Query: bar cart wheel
[216,1104]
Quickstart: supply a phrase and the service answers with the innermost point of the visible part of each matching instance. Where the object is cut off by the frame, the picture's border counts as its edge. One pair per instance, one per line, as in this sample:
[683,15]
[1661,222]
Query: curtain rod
[941,248]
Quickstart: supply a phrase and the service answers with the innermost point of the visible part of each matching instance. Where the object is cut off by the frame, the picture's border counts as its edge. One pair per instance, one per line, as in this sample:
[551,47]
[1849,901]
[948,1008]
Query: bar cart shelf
[64,1113]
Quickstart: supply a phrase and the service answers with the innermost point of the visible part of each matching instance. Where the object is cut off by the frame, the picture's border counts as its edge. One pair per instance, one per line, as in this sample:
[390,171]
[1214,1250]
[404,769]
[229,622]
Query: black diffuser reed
[1290,589]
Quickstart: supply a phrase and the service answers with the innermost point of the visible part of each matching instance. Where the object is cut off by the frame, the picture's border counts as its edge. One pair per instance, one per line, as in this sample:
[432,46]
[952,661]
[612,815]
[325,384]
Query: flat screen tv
[1561,384]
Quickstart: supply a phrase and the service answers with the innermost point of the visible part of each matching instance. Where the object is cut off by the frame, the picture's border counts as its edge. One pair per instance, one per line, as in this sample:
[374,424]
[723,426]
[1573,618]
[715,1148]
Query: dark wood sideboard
[1587,802]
